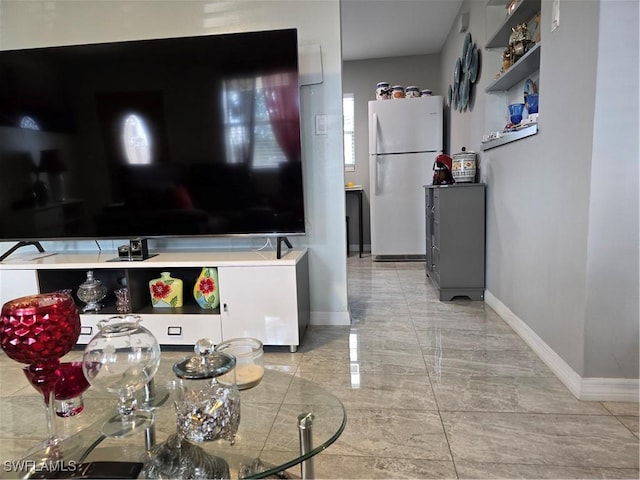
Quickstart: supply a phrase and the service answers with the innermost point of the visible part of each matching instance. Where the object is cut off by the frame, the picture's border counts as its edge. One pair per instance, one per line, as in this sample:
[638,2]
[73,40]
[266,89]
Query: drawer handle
[86,330]
[176,331]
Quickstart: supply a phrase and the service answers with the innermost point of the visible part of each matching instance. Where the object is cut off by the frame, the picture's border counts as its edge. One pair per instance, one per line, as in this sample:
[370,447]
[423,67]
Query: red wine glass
[69,388]
[38,330]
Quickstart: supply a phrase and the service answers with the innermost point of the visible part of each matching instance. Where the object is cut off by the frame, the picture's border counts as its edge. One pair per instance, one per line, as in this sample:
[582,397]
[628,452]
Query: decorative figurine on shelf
[507,60]
[166,292]
[442,170]
[519,41]
[123,300]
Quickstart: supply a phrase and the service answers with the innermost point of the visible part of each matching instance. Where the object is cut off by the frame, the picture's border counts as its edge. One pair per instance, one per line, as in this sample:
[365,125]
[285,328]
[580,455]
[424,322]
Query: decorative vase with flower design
[206,291]
[166,291]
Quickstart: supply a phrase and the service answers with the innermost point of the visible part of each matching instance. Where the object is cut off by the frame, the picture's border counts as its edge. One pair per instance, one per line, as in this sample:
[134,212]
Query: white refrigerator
[405,136]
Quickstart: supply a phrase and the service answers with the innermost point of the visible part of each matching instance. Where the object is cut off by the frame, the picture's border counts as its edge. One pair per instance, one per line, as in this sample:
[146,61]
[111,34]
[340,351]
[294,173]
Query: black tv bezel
[275,234]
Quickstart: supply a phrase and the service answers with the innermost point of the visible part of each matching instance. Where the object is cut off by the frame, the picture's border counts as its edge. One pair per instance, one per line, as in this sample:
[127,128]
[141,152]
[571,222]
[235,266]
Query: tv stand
[279,246]
[261,296]
[23,243]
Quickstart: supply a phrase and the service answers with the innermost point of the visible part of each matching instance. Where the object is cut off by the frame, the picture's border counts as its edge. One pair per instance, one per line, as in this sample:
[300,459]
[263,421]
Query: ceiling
[389,28]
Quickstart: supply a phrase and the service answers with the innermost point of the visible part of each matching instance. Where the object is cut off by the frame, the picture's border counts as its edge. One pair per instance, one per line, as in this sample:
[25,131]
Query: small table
[285,420]
[357,190]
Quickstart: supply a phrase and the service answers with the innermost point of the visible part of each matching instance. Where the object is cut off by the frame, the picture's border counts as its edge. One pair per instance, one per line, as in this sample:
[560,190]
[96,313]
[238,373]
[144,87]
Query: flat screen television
[192,136]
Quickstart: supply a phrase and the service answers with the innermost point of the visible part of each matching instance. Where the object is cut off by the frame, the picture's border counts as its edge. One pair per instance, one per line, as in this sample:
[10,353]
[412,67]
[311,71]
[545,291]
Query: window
[348,119]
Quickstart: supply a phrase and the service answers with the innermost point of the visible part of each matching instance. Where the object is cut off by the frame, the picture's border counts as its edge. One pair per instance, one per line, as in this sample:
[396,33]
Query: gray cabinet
[455,239]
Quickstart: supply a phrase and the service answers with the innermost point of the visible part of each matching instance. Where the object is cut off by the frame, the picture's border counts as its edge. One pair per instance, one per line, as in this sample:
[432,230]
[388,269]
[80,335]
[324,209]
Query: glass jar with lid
[397,92]
[206,410]
[249,355]
[91,292]
[412,92]
[382,91]
[206,395]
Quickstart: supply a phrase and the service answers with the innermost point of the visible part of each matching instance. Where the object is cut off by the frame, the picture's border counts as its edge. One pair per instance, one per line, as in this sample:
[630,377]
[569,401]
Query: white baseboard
[610,390]
[330,318]
[588,389]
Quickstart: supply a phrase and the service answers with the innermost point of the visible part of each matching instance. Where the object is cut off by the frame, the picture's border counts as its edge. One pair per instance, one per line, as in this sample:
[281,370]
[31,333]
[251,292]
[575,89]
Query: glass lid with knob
[208,363]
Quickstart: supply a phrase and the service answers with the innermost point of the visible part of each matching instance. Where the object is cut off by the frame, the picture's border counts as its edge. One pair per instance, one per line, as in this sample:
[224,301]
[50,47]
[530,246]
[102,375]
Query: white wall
[611,330]
[43,23]
[561,255]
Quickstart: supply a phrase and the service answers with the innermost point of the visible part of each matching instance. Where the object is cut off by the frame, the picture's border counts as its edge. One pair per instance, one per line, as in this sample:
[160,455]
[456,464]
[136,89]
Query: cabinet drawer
[90,327]
[168,329]
[184,329]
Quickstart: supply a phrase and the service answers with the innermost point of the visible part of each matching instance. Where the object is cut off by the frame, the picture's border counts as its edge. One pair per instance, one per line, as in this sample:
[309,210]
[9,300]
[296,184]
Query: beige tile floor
[431,389]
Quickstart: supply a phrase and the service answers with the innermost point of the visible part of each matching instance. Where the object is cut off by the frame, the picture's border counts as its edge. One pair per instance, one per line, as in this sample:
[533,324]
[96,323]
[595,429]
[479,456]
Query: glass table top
[268,434]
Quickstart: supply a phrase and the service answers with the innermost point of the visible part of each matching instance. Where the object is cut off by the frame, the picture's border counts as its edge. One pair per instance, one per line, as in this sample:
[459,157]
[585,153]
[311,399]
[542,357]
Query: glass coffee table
[285,421]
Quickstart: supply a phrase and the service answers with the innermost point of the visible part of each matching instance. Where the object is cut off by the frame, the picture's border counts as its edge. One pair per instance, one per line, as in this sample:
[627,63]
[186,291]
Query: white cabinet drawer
[184,329]
[168,329]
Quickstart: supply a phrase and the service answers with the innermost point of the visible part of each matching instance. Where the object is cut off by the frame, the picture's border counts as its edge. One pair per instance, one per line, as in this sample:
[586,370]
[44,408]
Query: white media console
[261,296]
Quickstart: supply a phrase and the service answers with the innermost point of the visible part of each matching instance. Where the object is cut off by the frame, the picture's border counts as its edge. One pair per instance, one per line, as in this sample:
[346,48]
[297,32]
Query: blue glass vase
[515,111]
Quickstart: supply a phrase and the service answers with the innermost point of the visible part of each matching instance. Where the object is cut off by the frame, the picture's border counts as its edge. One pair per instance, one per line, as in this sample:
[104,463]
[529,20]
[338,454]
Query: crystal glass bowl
[121,359]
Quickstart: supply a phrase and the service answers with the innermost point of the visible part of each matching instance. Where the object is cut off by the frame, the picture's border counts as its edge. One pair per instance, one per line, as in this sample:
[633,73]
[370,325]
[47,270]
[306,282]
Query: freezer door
[397,203]
[405,125]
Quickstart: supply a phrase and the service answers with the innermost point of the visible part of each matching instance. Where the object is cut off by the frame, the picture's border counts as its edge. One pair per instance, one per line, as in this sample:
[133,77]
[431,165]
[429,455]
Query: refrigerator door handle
[375,134]
[376,189]
[375,155]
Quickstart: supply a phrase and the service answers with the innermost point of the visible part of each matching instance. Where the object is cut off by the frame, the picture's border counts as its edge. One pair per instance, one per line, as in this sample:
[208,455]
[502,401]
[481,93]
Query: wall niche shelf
[510,137]
[525,66]
[523,12]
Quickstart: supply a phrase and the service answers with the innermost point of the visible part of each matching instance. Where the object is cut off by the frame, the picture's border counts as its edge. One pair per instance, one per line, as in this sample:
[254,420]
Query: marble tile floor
[432,390]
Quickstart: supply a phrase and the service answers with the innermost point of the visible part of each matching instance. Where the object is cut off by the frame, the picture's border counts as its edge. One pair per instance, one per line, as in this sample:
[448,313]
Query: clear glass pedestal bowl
[120,360]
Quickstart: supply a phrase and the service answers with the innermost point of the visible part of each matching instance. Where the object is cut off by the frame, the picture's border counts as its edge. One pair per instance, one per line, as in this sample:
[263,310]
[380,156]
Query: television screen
[166,137]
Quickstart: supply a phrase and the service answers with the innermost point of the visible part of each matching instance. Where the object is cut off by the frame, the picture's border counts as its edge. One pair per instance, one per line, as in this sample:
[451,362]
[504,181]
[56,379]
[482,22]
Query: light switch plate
[321,124]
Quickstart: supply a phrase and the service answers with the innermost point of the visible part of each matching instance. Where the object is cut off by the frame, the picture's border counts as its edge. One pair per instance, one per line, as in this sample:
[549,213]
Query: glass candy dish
[91,292]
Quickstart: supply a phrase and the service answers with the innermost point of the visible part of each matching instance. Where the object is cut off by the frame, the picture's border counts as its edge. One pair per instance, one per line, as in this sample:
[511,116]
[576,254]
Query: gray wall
[360,78]
[561,255]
